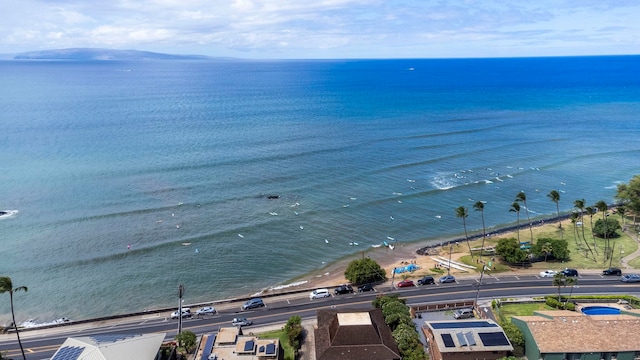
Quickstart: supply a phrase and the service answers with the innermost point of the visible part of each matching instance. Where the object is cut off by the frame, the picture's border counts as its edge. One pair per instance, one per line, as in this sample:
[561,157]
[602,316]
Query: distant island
[102,54]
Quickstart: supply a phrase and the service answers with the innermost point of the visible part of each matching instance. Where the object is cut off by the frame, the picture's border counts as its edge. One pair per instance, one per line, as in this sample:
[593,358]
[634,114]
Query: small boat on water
[376,245]
[186,243]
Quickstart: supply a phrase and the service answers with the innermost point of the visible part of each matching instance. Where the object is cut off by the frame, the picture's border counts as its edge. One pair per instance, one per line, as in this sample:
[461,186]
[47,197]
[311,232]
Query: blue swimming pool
[600,310]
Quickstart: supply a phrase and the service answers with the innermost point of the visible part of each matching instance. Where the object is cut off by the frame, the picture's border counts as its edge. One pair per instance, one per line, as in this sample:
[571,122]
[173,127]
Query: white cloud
[323,28]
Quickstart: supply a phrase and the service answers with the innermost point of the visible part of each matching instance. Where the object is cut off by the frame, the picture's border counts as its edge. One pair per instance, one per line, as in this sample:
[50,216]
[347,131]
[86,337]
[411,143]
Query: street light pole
[478,291]
[449,267]
[180,293]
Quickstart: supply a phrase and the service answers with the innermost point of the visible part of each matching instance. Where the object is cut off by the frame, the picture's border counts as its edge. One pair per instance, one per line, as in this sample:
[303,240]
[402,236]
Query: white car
[186,313]
[548,273]
[207,310]
[319,293]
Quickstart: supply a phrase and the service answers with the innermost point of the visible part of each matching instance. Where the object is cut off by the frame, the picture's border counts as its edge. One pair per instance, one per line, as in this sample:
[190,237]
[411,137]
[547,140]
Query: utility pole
[180,293]
[479,284]
[449,267]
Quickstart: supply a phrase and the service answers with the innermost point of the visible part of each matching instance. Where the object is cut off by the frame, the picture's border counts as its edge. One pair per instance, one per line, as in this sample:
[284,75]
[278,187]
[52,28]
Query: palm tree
[579,204]
[522,197]
[7,286]
[559,280]
[515,207]
[603,207]
[479,206]
[620,210]
[590,210]
[546,249]
[462,212]
[574,220]
[554,195]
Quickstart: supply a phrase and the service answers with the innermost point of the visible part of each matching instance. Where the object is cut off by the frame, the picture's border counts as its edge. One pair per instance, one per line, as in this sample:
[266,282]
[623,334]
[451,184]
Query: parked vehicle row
[254,303]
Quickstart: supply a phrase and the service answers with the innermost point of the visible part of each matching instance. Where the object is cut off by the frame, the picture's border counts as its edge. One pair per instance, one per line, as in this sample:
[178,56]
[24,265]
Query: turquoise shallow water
[113,165]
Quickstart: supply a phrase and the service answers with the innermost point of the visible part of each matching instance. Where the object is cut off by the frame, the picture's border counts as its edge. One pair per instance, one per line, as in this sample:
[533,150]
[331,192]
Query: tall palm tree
[463,213]
[620,210]
[7,286]
[603,207]
[579,204]
[574,220]
[479,206]
[554,195]
[590,210]
[546,249]
[559,280]
[522,197]
[515,207]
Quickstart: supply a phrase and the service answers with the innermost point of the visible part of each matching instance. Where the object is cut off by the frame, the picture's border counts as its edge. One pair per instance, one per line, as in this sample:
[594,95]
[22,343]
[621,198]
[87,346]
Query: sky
[326,29]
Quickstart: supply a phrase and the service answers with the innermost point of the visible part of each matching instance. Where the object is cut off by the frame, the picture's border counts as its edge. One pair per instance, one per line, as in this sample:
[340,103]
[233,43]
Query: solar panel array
[249,345]
[493,339]
[448,340]
[111,338]
[462,325]
[271,349]
[208,346]
[68,353]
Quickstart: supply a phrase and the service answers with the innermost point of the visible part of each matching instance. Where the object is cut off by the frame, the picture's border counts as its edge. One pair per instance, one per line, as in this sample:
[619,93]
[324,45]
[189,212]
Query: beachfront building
[466,340]
[571,335]
[230,344]
[354,335]
[110,347]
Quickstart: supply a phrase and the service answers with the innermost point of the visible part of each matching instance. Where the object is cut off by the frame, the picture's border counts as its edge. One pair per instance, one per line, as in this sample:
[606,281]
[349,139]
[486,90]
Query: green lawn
[506,311]
[581,258]
[284,341]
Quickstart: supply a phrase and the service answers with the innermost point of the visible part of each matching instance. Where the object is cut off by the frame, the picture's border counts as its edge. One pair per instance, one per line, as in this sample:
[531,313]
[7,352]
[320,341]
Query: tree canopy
[510,250]
[606,230]
[364,271]
[558,248]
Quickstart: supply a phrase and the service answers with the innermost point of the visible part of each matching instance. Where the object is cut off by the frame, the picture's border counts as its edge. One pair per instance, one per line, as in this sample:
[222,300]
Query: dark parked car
[406,283]
[612,271]
[343,289]
[426,280]
[365,287]
[569,272]
[252,304]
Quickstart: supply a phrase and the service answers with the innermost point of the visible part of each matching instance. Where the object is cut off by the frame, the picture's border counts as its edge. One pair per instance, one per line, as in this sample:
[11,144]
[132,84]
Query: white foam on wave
[442,182]
[297,283]
[7,213]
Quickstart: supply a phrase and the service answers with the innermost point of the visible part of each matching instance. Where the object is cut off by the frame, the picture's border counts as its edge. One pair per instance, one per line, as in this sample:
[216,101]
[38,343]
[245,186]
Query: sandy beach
[404,254]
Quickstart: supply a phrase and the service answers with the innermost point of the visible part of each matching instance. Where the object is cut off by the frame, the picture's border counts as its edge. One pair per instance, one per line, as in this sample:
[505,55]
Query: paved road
[41,344]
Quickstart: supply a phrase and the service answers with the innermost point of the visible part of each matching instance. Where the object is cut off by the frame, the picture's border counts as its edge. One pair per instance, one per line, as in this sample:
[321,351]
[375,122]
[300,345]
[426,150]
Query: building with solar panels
[230,344]
[110,347]
[466,340]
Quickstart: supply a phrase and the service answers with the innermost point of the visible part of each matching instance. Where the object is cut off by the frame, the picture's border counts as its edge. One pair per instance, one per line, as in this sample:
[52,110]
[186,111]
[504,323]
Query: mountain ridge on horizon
[102,54]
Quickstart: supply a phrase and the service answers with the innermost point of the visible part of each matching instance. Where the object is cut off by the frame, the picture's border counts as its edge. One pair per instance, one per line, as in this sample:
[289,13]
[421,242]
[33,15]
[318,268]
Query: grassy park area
[580,256]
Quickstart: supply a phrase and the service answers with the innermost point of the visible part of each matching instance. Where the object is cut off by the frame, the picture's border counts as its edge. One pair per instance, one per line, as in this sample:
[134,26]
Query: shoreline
[416,252]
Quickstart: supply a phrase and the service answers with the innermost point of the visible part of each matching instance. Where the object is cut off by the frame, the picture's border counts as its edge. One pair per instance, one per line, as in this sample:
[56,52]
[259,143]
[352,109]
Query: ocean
[126,179]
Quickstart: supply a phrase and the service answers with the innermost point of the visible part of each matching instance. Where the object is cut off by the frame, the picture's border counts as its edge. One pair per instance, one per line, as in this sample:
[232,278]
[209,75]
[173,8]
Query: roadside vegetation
[397,316]
[290,337]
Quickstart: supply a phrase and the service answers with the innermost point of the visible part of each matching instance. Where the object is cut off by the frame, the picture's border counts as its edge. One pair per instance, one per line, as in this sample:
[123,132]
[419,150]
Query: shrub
[364,271]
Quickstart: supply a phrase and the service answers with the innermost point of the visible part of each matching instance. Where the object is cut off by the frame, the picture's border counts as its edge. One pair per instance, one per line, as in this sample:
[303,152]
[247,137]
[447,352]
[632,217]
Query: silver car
[630,278]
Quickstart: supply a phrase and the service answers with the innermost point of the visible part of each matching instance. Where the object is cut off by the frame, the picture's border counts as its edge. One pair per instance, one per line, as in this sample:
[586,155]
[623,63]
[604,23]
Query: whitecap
[7,213]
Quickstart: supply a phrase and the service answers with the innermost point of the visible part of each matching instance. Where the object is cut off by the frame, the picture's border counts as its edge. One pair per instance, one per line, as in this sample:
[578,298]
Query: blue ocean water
[112,166]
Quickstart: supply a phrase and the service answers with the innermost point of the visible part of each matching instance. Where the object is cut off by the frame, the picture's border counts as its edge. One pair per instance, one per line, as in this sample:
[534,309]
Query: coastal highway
[42,343]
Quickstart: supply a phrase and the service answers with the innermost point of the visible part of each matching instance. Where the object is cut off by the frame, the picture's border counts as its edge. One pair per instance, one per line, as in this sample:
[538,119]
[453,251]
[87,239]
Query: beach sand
[404,254]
